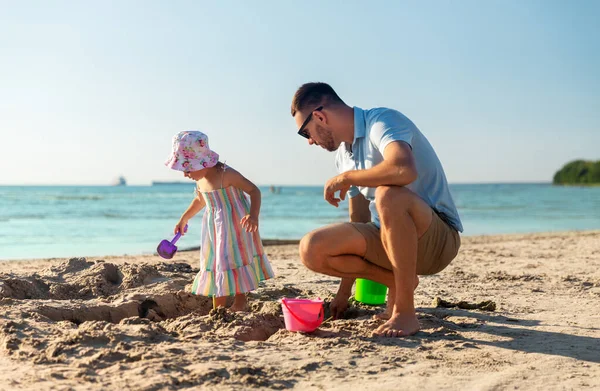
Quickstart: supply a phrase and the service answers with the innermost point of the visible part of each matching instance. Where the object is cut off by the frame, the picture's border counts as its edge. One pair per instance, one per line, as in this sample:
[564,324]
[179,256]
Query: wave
[134,216]
[115,216]
[75,198]
[490,208]
[24,217]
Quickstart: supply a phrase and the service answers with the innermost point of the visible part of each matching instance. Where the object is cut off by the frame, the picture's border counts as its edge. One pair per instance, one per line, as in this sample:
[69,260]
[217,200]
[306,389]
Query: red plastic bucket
[304,315]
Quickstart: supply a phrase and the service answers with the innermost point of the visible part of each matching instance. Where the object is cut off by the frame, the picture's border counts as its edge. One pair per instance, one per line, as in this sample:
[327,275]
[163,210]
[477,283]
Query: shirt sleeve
[391,126]
[353,192]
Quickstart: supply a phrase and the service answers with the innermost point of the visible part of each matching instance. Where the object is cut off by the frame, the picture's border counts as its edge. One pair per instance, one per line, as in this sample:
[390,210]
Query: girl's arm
[196,206]
[250,221]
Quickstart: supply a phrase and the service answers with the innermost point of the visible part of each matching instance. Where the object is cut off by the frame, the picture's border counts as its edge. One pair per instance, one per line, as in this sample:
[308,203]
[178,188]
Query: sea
[84,221]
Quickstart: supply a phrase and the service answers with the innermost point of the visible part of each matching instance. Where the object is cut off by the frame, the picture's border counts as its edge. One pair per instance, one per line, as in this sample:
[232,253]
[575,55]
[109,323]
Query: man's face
[317,129]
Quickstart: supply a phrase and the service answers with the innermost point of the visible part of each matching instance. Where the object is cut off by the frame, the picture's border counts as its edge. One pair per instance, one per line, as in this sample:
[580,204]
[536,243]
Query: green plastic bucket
[369,292]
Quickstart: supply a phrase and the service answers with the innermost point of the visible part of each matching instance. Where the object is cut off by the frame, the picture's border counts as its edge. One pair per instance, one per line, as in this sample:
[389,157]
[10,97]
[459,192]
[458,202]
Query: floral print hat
[191,152]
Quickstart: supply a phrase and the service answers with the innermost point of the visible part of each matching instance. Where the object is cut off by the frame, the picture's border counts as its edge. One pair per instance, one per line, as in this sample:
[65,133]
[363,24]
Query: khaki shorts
[436,248]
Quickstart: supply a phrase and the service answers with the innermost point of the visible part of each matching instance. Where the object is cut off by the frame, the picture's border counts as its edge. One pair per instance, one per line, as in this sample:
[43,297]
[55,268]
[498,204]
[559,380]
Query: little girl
[232,259]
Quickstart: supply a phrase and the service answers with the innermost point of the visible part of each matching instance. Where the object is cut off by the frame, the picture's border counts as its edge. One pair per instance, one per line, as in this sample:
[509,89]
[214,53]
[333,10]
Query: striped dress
[232,261]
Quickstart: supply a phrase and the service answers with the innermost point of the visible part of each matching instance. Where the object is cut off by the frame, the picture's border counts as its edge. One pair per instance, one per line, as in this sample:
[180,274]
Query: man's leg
[337,250]
[389,307]
[404,218]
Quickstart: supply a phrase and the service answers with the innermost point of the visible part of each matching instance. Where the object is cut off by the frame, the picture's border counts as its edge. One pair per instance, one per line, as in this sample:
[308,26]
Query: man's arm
[398,168]
[359,209]
[359,213]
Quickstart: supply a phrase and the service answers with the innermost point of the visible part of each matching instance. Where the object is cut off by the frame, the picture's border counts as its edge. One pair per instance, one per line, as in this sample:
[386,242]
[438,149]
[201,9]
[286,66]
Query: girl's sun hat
[191,152]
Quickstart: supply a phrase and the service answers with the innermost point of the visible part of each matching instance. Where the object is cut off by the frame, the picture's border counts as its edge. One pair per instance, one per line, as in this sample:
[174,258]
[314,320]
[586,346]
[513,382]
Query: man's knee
[393,201]
[397,198]
[311,250]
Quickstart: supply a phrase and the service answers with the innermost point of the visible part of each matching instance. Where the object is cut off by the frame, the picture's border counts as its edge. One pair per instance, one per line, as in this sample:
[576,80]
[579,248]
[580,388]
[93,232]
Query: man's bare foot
[389,308]
[399,325]
[240,303]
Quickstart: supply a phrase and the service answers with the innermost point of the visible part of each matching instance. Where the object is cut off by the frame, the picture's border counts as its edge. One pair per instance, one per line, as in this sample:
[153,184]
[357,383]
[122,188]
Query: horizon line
[262,184]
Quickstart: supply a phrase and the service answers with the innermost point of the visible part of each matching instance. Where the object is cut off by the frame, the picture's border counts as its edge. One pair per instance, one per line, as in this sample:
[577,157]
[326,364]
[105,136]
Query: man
[403,219]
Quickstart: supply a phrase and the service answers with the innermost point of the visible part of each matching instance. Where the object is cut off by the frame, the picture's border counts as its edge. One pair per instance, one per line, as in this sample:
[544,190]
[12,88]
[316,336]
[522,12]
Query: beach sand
[130,323]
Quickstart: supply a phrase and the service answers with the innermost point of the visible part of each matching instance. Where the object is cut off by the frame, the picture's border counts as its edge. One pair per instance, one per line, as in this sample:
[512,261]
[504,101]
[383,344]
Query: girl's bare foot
[389,308]
[240,303]
[220,301]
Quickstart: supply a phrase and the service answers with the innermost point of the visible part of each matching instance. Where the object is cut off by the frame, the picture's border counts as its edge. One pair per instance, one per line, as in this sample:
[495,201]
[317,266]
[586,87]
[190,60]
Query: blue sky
[504,90]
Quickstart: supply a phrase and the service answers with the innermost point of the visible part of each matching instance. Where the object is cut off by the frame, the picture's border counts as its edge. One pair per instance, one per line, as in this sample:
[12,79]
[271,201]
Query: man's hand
[339,305]
[335,184]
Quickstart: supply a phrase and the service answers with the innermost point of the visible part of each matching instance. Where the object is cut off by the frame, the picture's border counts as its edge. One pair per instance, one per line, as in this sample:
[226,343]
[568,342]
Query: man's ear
[320,117]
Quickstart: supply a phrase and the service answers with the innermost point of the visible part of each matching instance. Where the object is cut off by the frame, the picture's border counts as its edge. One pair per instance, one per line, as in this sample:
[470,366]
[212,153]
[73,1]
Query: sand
[130,323]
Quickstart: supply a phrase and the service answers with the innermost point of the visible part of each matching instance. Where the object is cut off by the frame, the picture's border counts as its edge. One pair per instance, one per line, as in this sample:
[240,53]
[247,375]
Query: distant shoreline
[265,242]
[162,183]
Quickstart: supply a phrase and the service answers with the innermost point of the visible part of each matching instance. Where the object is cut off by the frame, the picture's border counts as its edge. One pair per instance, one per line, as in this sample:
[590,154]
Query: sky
[505,91]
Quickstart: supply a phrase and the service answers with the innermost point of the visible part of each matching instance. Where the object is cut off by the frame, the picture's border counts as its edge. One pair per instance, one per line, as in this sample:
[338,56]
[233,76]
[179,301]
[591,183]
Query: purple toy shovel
[168,249]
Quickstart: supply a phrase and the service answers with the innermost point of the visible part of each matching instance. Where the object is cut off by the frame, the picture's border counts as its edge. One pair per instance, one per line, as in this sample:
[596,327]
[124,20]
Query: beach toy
[304,315]
[167,249]
[370,292]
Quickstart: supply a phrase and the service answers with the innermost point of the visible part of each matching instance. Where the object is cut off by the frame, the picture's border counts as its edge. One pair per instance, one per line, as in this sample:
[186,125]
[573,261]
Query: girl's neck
[213,179]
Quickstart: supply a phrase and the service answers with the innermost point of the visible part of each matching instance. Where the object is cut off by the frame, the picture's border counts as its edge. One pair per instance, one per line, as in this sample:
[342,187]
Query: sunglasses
[302,132]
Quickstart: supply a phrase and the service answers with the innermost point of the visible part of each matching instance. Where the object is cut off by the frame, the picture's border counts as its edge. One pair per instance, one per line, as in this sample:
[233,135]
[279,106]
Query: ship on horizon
[120,181]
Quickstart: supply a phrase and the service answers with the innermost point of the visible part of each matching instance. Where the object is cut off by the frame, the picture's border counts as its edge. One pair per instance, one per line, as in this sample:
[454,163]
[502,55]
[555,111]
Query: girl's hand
[180,227]
[249,223]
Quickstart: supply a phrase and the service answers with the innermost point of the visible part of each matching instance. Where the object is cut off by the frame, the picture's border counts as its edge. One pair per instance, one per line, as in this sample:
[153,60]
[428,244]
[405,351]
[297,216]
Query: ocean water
[69,221]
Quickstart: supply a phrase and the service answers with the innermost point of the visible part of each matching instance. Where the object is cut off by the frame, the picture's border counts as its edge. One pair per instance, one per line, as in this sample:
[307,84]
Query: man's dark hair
[312,95]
